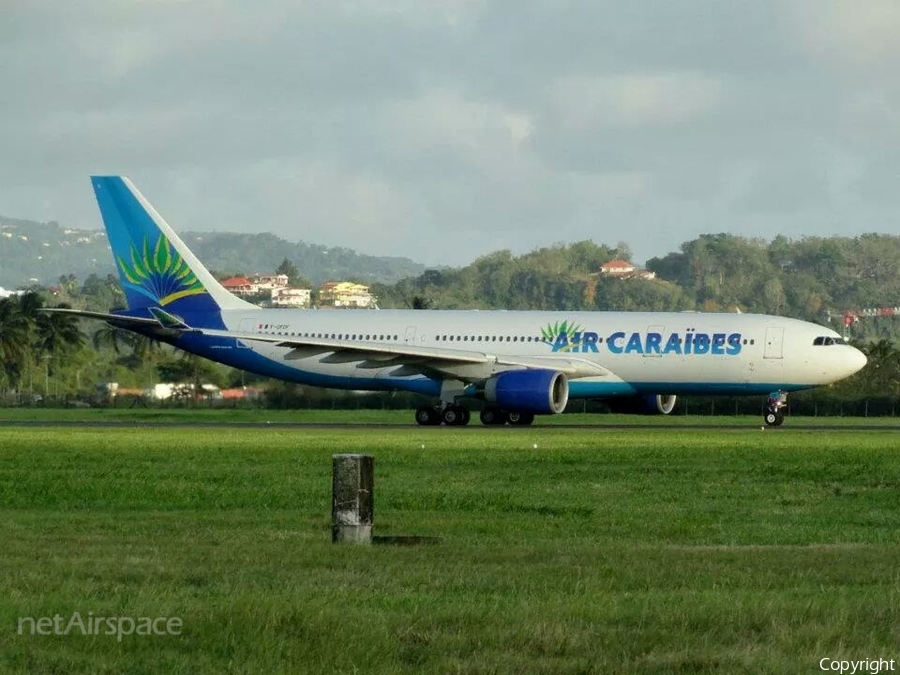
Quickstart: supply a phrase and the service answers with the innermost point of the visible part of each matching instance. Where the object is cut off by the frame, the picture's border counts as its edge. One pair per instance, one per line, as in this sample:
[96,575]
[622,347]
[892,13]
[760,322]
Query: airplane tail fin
[156,268]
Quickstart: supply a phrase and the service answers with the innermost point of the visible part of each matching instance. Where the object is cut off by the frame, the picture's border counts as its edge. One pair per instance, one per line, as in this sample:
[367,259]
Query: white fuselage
[629,352]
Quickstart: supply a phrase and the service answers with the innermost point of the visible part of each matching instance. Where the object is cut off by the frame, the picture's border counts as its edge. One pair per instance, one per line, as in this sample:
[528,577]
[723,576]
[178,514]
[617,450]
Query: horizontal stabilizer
[124,321]
[112,318]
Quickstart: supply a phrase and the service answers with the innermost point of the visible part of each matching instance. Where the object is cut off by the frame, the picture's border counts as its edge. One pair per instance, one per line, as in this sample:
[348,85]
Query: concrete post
[352,498]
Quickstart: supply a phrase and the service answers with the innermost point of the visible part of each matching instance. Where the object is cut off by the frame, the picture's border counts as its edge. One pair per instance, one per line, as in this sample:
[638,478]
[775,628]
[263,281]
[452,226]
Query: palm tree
[14,342]
[29,305]
[111,336]
[56,334]
[143,347]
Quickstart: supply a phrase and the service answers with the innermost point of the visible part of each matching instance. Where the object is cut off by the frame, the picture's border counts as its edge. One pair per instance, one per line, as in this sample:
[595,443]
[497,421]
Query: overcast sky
[443,130]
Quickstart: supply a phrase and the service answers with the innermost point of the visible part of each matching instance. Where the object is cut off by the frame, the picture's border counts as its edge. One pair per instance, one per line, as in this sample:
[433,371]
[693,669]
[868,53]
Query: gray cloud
[441,131]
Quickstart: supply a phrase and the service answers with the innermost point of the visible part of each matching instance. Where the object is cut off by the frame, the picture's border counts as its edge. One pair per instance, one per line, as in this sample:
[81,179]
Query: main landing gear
[453,415]
[497,417]
[775,404]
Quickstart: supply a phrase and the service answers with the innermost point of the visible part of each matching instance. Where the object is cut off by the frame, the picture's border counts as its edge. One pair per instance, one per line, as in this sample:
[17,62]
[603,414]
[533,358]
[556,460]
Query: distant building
[622,269]
[617,268]
[266,281]
[240,286]
[169,390]
[291,297]
[345,294]
[275,285]
[241,393]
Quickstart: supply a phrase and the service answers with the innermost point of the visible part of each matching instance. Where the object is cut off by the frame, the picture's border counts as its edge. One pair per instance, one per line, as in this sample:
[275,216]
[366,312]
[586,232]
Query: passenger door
[774,342]
[247,325]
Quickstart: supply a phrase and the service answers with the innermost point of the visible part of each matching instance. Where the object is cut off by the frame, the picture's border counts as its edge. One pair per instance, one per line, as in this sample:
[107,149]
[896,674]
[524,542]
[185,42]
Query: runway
[538,427]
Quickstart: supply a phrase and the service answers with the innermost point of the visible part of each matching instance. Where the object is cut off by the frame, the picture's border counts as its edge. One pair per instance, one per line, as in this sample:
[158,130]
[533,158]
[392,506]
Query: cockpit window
[823,340]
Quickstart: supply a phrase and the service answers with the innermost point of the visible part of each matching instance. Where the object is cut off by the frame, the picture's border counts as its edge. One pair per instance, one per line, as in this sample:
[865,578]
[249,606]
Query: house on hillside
[269,282]
[291,297]
[275,285]
[345,294]
[616,268]
[622,269]
[240,286]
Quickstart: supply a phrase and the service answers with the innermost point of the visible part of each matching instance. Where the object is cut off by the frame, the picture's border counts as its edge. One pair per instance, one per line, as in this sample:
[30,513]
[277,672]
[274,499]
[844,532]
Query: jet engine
[653,404]
[528,391]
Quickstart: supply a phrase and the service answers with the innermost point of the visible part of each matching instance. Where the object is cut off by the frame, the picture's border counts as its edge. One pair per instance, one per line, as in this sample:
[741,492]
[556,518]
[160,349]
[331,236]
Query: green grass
[636,551]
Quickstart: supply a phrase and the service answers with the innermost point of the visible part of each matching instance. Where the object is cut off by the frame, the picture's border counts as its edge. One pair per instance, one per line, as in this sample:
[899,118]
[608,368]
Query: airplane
[515,364]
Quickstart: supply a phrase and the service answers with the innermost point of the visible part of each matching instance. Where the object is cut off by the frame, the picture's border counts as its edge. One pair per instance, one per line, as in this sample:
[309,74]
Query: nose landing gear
[775,404]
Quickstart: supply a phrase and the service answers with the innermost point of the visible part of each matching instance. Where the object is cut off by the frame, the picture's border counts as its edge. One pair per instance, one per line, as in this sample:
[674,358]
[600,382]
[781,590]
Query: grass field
[598,551]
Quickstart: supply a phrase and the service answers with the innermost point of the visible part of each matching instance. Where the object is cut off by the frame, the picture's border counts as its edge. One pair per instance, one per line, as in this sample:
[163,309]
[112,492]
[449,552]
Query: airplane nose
[856,361]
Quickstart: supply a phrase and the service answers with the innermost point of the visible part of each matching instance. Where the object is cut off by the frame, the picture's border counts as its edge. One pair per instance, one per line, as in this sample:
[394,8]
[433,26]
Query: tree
[56,334]
[111,337]
[883,368]
[28,335]
[623,251]
[295,279]
[190,368]
[14,343]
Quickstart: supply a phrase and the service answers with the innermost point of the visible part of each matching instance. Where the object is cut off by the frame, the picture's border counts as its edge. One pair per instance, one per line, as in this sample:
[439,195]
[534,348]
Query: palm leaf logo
[552,331]
[159,272]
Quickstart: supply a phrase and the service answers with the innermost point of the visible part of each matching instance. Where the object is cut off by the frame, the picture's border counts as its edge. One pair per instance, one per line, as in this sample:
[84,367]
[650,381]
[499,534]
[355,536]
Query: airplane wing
[466,364]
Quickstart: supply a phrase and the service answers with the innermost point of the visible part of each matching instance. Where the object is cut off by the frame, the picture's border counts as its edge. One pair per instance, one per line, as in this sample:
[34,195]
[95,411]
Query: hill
[812,278]
[39,253]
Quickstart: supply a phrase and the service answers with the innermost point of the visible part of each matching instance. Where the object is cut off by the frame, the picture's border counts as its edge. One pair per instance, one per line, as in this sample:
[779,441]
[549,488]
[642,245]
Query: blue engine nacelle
[654,404]
[530,391]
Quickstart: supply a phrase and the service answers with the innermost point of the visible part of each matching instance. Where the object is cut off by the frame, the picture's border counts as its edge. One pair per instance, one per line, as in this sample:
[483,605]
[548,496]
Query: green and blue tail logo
[158,272]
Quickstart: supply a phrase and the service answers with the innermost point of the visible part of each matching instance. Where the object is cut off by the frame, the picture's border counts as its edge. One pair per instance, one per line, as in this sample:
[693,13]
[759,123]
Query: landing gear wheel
[775,405]
[520,419]
[492,417]
[427,417]
[455,416]
[774,418]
